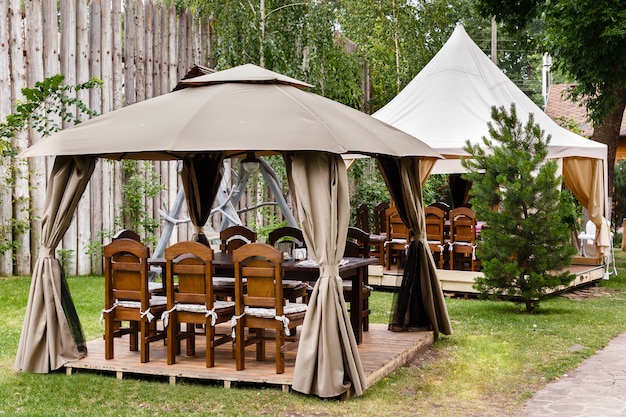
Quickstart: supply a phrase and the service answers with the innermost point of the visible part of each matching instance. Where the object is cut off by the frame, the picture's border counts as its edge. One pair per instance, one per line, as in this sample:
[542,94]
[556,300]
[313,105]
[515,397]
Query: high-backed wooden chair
[127,234]
[286,233]
[236,236]
[127,297]
[190,300]
[435,231]
[262,306]
[463,238]
[397,238]
[378,232]
[362,219]
[357,246]
[293,290]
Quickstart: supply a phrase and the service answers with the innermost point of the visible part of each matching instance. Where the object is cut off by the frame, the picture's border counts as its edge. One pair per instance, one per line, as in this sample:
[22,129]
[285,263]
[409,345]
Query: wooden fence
[140,50]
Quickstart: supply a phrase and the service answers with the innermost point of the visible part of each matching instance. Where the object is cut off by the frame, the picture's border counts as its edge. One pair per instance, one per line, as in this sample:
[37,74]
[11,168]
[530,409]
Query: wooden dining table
[353,269]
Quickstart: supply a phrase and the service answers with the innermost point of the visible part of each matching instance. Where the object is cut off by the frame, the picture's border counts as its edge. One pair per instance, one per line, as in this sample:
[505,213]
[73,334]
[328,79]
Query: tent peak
[247,73]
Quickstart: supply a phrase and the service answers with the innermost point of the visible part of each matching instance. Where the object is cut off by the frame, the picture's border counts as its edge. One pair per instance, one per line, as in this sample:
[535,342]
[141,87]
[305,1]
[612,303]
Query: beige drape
[201,176]
[420,302]
[328,362]
[583,177]
[46,342]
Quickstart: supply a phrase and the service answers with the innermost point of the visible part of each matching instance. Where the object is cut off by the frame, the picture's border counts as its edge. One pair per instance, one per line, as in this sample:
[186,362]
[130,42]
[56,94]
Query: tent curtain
[47,340]
[420,302]
[201,176]
[583,177]
[328,362]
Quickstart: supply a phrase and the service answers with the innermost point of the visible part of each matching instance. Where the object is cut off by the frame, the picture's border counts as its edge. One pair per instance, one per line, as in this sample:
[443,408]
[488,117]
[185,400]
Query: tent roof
[450,102]
[246,108]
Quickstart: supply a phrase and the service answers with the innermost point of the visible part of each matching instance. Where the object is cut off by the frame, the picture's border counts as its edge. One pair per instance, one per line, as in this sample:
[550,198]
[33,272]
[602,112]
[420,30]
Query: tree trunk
[608,133]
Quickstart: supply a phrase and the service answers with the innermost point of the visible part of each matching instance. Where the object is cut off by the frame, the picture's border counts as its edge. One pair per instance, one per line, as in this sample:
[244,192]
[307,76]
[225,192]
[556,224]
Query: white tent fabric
[450,100]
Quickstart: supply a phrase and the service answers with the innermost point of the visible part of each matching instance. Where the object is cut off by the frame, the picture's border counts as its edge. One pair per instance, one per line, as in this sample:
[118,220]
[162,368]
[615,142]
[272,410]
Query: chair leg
[280,354]
[210,346]
[144,349]
[260,345]
[109,332]
[239,346]
[172,339]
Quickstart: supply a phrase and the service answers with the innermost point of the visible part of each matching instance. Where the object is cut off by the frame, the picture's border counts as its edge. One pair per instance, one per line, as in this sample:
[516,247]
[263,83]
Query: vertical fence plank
[129,52]
[82,219]
[6,206]
[118,94]
[68,52]
[20,192]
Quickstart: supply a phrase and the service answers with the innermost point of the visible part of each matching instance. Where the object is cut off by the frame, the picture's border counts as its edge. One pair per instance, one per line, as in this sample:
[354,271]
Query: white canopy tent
[449,102]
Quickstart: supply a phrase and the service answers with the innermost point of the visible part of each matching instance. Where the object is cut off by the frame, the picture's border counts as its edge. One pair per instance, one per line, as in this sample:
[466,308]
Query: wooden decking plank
[381,353]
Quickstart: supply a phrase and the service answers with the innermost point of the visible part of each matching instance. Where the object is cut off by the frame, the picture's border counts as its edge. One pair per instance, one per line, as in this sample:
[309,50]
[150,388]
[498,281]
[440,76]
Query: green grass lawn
[496,358]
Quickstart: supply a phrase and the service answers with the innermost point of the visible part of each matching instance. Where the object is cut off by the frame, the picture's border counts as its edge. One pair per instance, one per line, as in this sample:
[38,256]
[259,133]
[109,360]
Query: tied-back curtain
[328,362]
[583,177]
[47,341]
[201,176]
[420,302]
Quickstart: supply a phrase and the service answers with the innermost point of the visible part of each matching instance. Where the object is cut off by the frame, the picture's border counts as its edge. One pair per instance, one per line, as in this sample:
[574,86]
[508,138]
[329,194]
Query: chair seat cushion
[291,283]
[270,313]
[225,281]
[201,308]
[155,300]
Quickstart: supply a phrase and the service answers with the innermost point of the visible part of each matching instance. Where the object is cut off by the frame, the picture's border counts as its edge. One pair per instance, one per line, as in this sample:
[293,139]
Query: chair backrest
[463,225]
[357,243]
[260,265]
[442,205]
[190,263]
[236,236]
[286,233]
[396,229]
[127,234]
[590,227]
[126,272]
[380,217]
[362,220]
[435,223]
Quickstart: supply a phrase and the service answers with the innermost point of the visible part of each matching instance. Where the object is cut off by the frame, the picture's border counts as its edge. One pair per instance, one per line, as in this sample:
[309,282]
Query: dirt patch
[588,292]
[424,357]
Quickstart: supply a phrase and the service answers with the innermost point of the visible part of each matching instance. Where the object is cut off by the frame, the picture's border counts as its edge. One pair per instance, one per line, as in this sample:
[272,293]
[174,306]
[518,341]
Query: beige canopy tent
[227,113]
[450,100]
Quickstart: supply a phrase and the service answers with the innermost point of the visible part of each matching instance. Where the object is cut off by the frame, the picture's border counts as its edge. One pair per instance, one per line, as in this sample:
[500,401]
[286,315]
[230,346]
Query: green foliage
[436,188]
[366,185]
[141,182]
[516,192]
[46,99]
[65,256]
[619,195]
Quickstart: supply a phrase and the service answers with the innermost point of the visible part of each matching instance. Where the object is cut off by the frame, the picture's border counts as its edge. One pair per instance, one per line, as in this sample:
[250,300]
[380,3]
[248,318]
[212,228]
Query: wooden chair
[397,238]
[463,238]
[286,233]
[263,305]
[127,297]
[191,300]
[127,234]
[231,238]
[435,231]
[378,233]
[362,220]
[236,236]
[293,290]
[357,246]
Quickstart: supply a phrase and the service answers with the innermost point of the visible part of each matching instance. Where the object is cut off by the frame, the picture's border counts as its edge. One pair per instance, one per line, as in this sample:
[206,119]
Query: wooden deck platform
[461,282]
[381,353]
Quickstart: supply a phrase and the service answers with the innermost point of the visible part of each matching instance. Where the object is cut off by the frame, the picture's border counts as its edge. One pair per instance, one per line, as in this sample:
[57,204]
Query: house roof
[562,110]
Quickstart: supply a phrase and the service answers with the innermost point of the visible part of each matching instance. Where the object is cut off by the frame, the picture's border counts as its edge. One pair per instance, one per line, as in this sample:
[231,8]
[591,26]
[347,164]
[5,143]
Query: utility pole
[494,41]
